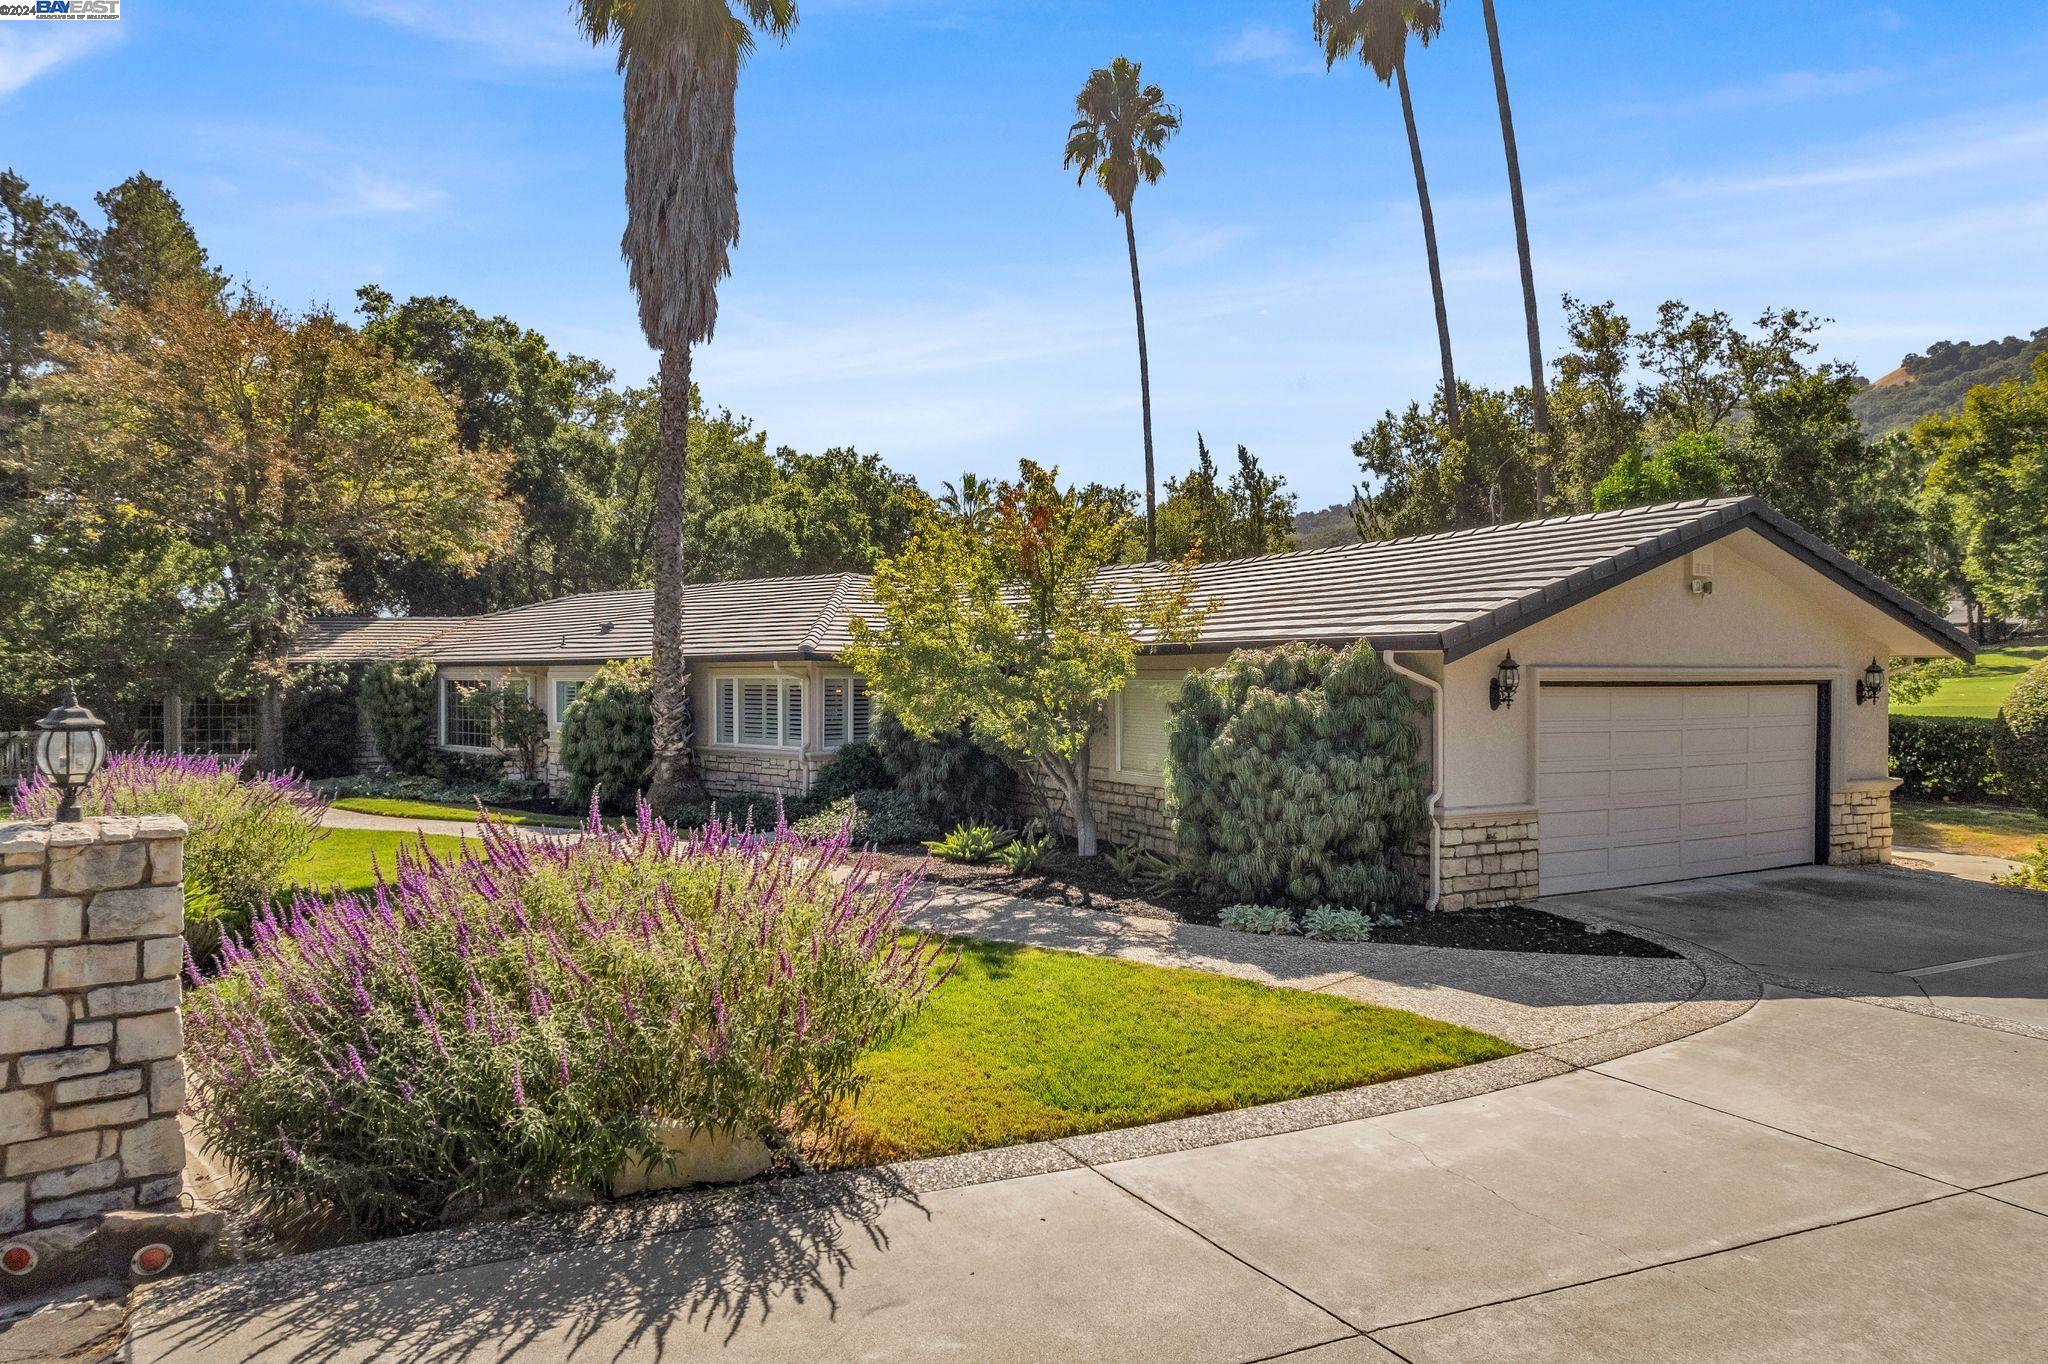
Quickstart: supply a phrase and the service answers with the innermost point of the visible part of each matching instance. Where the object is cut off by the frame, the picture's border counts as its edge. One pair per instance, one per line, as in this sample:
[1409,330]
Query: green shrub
[516,1026]
[855,769]
[2020,741]
[245,835]
[1293,777]
[1332,924]
[2029,872]
[970,843]
[955,779]
[1029,852]
[880,819]
[398,704]
[608,734]
[1944,757]
[1257,918]
[320,722]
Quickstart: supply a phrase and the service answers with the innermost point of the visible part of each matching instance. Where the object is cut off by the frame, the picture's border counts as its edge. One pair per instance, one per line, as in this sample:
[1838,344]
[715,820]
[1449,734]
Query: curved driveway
[1853,1169]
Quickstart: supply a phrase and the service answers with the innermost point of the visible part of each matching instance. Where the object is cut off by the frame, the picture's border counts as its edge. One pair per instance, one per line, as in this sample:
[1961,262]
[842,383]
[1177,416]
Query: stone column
[91,918]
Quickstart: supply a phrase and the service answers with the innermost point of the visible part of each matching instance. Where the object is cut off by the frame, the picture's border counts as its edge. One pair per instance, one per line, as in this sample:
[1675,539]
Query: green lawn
[343,859]
[434,809]
[1024,1045]
[1987,830]
[1982,689]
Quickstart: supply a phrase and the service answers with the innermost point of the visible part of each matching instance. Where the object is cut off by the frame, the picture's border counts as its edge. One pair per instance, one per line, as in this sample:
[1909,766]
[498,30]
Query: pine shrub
[952,777]
[1294,779]
[608,735]
[398,704]
[2020,742]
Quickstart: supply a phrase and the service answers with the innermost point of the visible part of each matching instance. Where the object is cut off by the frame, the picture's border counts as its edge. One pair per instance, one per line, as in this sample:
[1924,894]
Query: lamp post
[70,749]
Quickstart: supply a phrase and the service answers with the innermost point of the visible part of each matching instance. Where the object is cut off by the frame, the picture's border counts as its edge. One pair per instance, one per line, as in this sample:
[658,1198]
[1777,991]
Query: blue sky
[916,274]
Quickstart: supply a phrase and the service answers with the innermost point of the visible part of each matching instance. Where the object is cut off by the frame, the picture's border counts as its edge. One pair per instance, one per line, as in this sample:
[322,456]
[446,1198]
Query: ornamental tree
[1016,625]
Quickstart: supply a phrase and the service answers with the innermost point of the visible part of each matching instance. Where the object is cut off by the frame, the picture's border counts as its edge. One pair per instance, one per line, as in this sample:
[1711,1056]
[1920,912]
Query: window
[1142,709]
[220,725]
[565,696]
[465,714]
[758,712]
[847,711]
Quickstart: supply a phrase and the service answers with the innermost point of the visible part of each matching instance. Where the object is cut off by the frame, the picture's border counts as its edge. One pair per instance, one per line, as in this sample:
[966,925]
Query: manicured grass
[1981,690]
[433,809]
[1024,1045]
[1987,830]
[344,859]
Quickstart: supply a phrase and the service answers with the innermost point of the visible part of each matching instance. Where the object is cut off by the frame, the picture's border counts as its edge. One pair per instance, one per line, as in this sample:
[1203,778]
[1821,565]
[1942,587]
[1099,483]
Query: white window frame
[556,677]
[466,677]
[784,687]
[830,742]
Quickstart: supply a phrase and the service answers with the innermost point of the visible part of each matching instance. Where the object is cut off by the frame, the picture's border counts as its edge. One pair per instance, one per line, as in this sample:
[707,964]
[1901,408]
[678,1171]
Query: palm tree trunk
[675,779]
[1436,275]
[1539,395]
[1144,387]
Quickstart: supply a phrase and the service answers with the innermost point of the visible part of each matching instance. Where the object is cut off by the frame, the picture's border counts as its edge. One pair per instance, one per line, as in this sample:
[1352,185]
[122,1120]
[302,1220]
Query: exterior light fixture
[1871,686]
[1507,678]
[70,749]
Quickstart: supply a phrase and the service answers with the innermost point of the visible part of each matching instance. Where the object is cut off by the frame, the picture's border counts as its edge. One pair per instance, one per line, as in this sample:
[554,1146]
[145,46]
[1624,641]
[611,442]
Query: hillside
[1321,529]
[1937,381]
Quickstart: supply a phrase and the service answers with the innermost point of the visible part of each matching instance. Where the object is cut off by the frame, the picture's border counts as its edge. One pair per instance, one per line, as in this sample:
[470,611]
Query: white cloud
[526,33]
[1264,45]
[31,50]
[366,192]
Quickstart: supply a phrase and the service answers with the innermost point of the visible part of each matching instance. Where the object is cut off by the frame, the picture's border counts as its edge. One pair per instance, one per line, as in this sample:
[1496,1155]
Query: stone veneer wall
[1860,824]
[1489,858]
[764,772]
[90,1076]
[1128,814]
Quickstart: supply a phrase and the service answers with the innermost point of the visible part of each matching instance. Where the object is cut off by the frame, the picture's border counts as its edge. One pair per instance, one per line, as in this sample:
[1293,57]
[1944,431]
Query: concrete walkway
[1856,1169]
[449,828]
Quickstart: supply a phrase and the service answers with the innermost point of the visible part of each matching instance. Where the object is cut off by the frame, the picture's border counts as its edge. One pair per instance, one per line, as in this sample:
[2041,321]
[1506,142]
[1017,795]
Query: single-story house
[1613,699]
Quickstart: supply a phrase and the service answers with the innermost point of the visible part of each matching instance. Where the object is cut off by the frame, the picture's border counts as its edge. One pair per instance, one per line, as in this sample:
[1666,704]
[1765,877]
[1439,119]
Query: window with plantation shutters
[1141,724]
[846,711]
[758,712]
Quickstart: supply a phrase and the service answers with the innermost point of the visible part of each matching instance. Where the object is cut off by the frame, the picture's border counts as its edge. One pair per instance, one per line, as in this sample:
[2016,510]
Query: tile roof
[1455,591]
[348,639]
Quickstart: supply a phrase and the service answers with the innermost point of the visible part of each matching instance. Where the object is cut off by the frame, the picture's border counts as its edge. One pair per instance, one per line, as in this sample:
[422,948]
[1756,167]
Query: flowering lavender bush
[246,834]
[513,1025]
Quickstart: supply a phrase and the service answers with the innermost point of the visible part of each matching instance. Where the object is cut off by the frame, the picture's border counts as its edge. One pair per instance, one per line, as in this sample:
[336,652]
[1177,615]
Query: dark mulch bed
[1089,883]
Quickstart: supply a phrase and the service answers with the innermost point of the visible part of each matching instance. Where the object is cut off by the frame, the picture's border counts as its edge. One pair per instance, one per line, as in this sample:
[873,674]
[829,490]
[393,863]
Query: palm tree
[1378,32]
[681,62]
[1537,392]
[1122,124]
[970,499]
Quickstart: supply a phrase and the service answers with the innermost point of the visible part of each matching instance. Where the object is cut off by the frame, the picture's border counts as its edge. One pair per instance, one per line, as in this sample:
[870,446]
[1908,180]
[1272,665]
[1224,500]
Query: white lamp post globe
[70,749]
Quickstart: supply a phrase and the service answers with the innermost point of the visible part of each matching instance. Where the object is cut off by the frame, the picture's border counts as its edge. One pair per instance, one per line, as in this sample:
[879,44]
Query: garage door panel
[1642,784]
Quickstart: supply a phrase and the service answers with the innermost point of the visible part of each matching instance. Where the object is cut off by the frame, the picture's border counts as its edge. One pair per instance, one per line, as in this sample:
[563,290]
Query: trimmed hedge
[320,718]
[398,702]
[2020,738]
[1946,757]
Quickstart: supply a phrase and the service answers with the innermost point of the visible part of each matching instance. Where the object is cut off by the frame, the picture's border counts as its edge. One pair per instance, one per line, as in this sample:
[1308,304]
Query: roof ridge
[814,633]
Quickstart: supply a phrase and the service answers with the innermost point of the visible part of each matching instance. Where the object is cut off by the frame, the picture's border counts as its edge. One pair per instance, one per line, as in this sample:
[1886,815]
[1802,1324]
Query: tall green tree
[1987,489]
[1377,33]
[1420,479]
[1120,126]
[147,246]
[1539,410]
[681,63]
[1020,627]
[1209,517]
[270,452]
[44,289]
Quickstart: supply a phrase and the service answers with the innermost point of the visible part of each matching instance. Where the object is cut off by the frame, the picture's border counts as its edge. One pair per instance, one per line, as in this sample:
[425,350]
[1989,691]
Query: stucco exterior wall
[1769,618]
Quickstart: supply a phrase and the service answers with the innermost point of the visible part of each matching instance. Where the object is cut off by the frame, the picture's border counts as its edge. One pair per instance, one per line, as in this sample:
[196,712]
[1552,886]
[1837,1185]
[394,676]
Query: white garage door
[1643,784]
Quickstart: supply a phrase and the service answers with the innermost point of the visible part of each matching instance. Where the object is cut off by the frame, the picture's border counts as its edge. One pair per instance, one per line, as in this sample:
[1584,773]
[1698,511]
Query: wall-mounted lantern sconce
[1500,692]
[1870,687]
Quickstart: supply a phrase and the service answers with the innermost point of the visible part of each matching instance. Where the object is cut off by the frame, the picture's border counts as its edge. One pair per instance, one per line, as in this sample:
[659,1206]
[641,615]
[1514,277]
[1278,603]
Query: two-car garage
[1641,783]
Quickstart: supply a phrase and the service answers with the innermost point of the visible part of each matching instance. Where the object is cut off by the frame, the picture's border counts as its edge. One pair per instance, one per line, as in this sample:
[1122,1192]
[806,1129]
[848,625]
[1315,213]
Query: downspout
[1436,773]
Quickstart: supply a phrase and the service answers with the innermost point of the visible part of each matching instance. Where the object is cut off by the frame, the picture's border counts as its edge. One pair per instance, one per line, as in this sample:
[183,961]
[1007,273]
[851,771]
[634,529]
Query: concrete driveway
[1856,1168]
